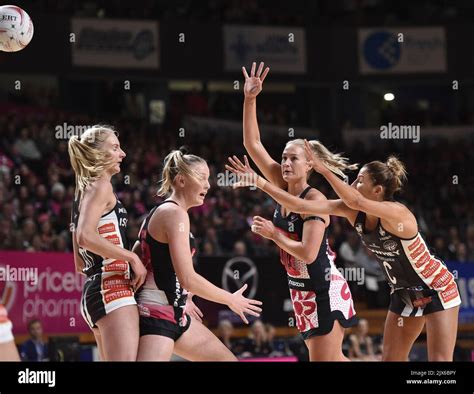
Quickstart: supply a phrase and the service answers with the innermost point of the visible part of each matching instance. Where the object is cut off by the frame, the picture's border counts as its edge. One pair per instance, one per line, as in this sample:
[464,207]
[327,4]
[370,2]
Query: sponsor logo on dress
[111,296]
[116,282]
[450,293]
[442,279]
[107,228]
[114,239]
[414,244]
[423,260]
[295,283]
[418,251]
[389,254]
[430,268]
[116,266]
[390,245]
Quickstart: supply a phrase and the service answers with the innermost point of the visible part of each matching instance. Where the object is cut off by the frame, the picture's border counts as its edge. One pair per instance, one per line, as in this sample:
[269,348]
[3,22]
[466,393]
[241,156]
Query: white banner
[402,50]
[283,49]
[115,43]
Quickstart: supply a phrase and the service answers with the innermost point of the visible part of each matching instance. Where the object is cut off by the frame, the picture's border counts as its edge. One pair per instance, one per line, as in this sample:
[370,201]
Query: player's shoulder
[315,194]
[172,211]
[100,188]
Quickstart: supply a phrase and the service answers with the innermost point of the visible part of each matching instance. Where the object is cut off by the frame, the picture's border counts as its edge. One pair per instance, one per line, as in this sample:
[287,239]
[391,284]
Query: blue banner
[464,272]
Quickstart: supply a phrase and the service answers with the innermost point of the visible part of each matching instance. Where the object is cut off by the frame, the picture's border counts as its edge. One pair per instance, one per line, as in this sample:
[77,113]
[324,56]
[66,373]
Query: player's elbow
[354,202]
[309,257]
[251,145]
[83,238]
[296,208]
[188,281]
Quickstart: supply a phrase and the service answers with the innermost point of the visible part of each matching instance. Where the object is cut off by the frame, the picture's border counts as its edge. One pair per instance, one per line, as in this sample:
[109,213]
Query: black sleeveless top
[161,279]
[303,276]
[113,227]
[407,263]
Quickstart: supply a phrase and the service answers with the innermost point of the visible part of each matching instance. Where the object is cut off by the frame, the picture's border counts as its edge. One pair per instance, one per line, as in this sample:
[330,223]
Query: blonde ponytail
[335,162]
[177,162]
[88,159]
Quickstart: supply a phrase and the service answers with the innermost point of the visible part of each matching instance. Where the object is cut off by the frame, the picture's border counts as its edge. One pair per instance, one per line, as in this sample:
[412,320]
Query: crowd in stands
[37,187]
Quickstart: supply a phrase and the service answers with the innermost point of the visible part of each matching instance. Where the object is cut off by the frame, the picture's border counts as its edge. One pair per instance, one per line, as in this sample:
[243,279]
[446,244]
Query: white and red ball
[16,28]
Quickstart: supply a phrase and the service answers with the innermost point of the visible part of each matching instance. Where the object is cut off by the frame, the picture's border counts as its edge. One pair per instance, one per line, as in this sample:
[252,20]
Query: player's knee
[124,355]
[441,356]
[230,357]
[394,353]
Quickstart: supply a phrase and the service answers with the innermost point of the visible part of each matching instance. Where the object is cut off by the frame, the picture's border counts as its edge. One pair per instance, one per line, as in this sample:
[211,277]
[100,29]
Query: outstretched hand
[242,305]
[312,159]
[253,84]
[245,174]
[192,309]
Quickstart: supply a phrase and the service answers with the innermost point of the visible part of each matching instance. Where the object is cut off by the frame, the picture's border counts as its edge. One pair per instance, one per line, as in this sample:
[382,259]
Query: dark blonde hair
[87,156]
[390,175]
[177,162]
[335,162]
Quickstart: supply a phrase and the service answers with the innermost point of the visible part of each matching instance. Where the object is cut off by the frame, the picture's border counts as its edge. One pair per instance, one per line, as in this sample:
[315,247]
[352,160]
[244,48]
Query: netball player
[101,247]
[166,246]
[8,350]
[321,298]
[423,291]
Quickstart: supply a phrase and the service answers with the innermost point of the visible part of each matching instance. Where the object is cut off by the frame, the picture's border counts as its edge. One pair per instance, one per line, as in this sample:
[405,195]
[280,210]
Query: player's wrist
[260,182]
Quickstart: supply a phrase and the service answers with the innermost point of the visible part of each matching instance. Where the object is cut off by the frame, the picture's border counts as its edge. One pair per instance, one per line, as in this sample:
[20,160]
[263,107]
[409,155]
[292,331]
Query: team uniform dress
[420,282]
[5,326]
[161,299]
[319,292]
[108,285]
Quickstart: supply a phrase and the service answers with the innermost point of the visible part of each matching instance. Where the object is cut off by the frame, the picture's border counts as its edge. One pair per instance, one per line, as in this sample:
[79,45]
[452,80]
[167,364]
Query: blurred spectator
[225,331]
[212,242]
[28,232]
[26,147]
[461,252]
[257,344]
[240,249]
[279,345]
[35,348]
[440,248]
[470,242]
[349,249]
[361,345]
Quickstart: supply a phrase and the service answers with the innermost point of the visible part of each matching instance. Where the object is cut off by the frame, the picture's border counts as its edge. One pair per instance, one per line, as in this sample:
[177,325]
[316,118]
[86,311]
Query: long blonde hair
[335,162]
[87,156]
[177,162]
